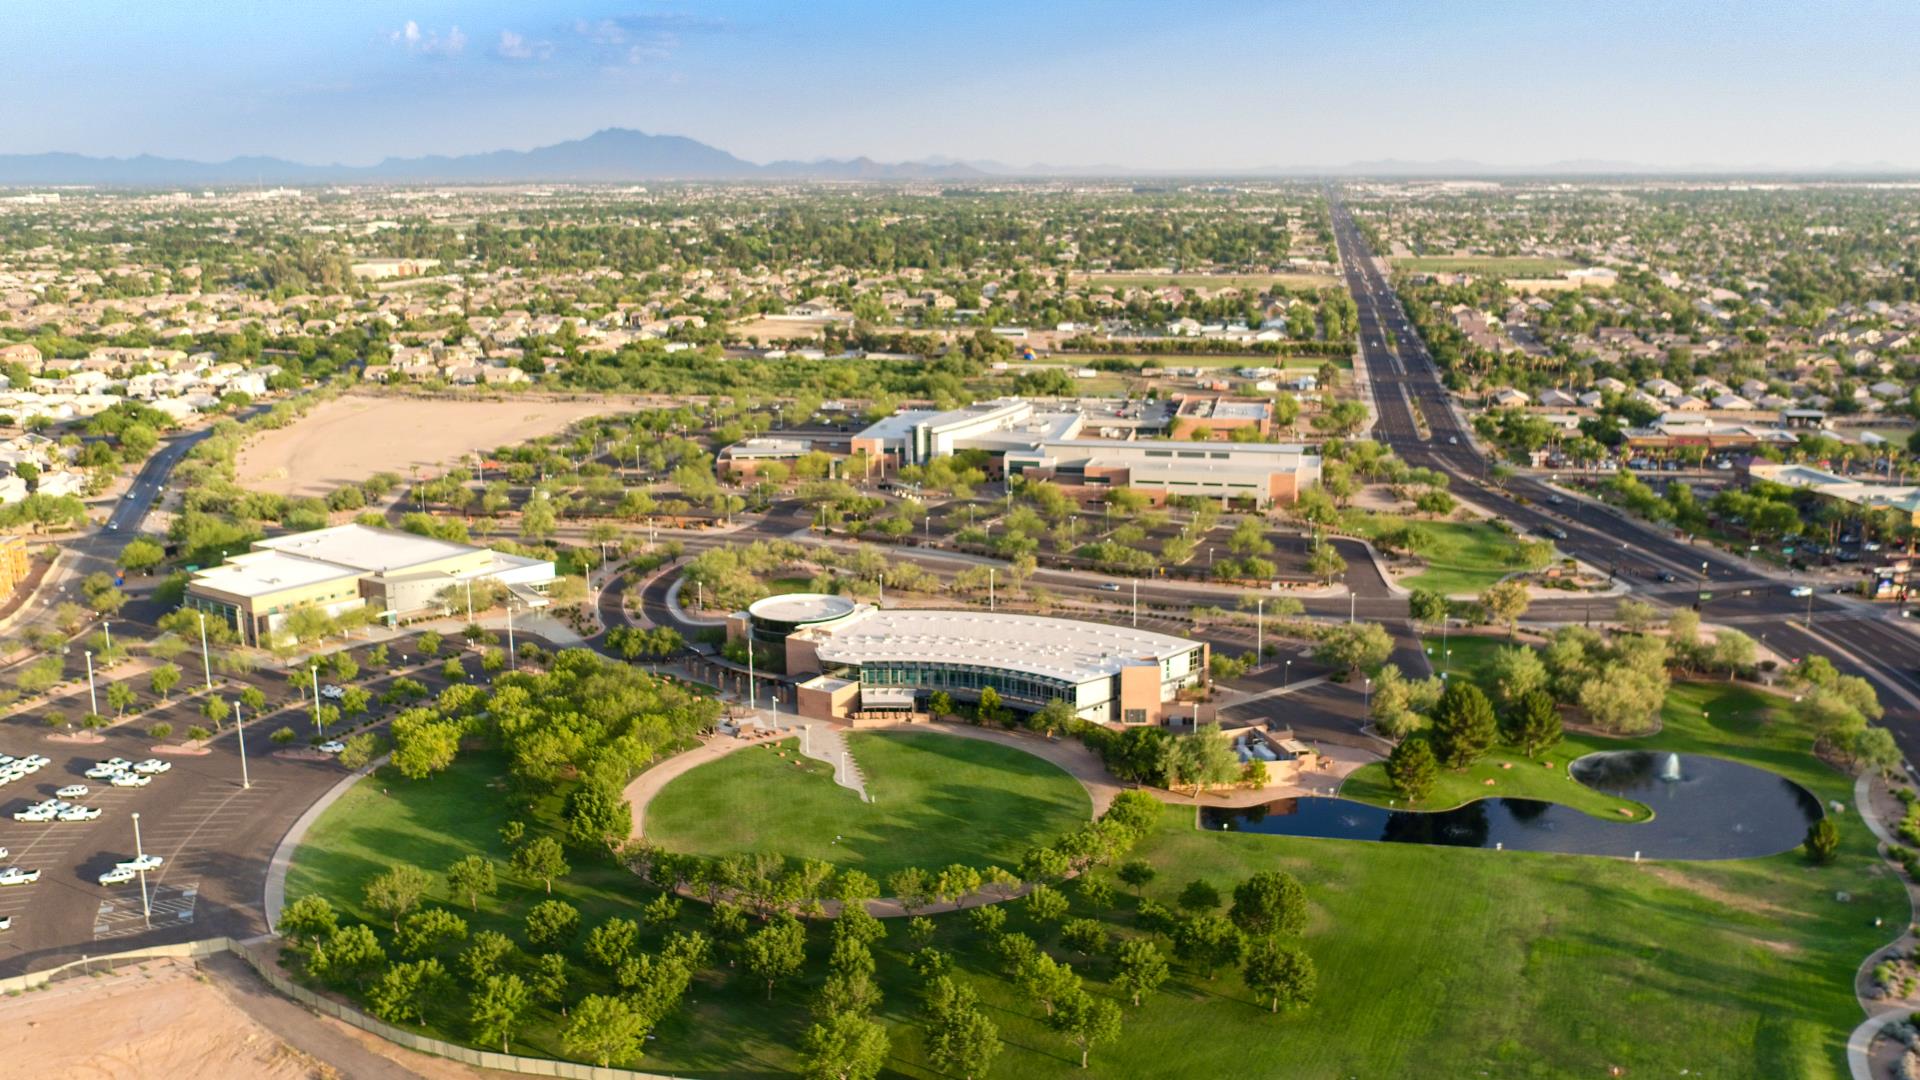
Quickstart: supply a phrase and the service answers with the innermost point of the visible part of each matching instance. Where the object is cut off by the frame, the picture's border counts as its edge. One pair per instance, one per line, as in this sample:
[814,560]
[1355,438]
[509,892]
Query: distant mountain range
[618,155]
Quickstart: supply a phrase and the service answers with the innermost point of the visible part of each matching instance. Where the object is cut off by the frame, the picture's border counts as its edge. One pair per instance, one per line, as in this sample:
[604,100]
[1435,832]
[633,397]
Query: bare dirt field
[159,1021]
[351,438]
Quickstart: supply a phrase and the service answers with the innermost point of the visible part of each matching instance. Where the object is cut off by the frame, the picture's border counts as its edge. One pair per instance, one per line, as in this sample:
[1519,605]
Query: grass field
[1485,265]
[1471,654]
[1462,557]
[937,799]
[1214,281]
[1444,962]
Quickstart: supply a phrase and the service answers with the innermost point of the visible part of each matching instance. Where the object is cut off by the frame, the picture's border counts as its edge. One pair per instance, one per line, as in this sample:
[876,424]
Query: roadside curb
[275,894]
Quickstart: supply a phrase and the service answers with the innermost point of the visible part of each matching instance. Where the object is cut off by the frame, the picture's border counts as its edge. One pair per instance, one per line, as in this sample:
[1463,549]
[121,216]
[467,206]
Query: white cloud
[515,46]
[429,42]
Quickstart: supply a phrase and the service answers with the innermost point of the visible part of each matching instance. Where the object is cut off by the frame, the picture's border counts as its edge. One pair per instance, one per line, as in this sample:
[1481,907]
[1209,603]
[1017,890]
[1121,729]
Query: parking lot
[216,836]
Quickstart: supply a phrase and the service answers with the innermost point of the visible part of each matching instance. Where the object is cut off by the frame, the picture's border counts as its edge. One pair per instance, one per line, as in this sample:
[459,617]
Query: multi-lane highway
[1870,641]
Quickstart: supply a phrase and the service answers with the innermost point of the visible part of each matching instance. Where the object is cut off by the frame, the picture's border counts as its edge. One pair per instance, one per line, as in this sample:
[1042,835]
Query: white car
[128,779]
[152,767]
[119,875]
[34,813]
[73,791]
[13,875]
[35,761]
[332,746]
[79,813]
[1802,591]
[139,863]
[6,922]
[332,693]
[104,771]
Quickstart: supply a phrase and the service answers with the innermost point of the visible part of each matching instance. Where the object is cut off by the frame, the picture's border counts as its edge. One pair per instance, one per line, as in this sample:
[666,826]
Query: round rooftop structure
[774,617]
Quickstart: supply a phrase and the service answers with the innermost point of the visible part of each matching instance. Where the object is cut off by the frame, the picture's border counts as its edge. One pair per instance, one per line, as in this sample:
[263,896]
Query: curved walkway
[1860,1041]
[276,891]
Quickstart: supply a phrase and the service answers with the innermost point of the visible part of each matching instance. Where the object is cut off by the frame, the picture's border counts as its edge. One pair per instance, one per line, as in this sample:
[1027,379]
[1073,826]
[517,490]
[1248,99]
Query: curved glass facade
[930,675]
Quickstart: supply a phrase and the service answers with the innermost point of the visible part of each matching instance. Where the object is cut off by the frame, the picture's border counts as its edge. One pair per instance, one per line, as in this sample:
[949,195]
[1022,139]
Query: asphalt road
[1868,641]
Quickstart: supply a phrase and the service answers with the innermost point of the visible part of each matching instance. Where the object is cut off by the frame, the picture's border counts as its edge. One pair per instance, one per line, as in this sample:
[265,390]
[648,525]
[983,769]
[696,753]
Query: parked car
[130,779]
[33,813]
[332,746]
[119,875]
[153,767]
[142,862]
[79,813]
[73,791]
[105,771]
[13,875]
[332,693]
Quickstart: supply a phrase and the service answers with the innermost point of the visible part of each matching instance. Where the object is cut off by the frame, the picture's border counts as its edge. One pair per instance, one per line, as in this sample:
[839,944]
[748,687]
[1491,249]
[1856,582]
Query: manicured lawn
[937,799]
[1462,557]
[1472,654]
[1443,962]
[1486,265]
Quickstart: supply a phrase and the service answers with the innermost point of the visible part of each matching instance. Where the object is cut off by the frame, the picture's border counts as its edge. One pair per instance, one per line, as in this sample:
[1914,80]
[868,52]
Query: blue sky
[1166,84]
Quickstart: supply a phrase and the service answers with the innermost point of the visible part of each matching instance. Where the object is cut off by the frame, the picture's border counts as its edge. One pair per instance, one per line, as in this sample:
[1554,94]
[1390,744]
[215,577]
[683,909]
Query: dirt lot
[351,438]
[158,1022]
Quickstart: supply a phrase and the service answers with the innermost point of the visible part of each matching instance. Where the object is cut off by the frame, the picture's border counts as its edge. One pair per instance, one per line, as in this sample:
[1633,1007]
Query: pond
[1704,808]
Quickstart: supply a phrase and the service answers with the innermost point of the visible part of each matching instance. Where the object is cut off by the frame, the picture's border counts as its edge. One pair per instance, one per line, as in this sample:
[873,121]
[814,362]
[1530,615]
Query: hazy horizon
[1237,86]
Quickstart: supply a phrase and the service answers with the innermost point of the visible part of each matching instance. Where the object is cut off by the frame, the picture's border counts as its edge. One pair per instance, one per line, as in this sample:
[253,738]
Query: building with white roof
[851,658]
[394,574]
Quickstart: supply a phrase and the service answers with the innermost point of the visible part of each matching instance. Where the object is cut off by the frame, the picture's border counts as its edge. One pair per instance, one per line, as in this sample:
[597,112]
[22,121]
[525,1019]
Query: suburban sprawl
[945,625]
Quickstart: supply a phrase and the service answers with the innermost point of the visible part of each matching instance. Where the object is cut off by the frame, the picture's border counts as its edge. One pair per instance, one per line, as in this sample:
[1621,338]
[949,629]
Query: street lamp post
[140,858]
[512,665]
[315,669]
[469,601]
[206,663]
[106,627]
[240,730]
[1136,602]
[990,588]
[92,701]
[1286,676]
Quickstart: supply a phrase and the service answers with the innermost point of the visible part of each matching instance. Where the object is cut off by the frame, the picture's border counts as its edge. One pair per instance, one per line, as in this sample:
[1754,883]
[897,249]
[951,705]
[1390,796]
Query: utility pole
[240,730]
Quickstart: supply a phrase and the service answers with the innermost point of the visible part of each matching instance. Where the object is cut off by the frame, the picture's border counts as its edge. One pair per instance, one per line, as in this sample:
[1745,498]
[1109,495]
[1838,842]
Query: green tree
[776,952]
[605,1030]
[844,1047]
[308,919]
[1204,758]
[1139,969]
[497,1007]
[1463,725]
[1270,902]
[961,1038]
[1137,873]
[1506,601]
[424,932]
[404,991]
[541,859]
[120,698]
[1823,841]
[1282,973]
[397,891]
[1412,769]
[1199,895]
[552,924]
[550,980]
[1428,607]
[1536,723]
[473,876]
[1045,904]
[164,679]
[1208,942]
[1086,1021]
[1515,672]
[349,955]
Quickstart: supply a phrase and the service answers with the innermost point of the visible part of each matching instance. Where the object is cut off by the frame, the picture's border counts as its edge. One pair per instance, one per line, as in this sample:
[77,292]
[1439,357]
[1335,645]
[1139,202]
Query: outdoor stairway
[822,742]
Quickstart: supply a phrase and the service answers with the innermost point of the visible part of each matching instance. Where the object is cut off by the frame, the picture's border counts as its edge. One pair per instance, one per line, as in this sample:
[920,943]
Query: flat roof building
[853,657]
[1055,446]
[395,574]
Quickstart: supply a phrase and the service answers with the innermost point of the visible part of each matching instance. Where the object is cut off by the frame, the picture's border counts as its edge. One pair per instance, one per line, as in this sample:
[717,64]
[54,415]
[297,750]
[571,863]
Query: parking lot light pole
[511,664]
[240,730]
[206,663]
[316,698]
[1136,601]
[92,701]
[140,857]
[106,627]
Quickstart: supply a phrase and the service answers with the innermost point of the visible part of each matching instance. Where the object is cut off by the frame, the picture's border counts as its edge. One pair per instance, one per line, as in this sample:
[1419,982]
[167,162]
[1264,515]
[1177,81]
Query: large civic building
[1020,439]
[395,574]
[848,659]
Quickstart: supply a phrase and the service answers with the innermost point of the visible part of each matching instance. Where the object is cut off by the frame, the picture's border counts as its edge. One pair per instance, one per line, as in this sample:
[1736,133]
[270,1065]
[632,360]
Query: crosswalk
[123,916]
